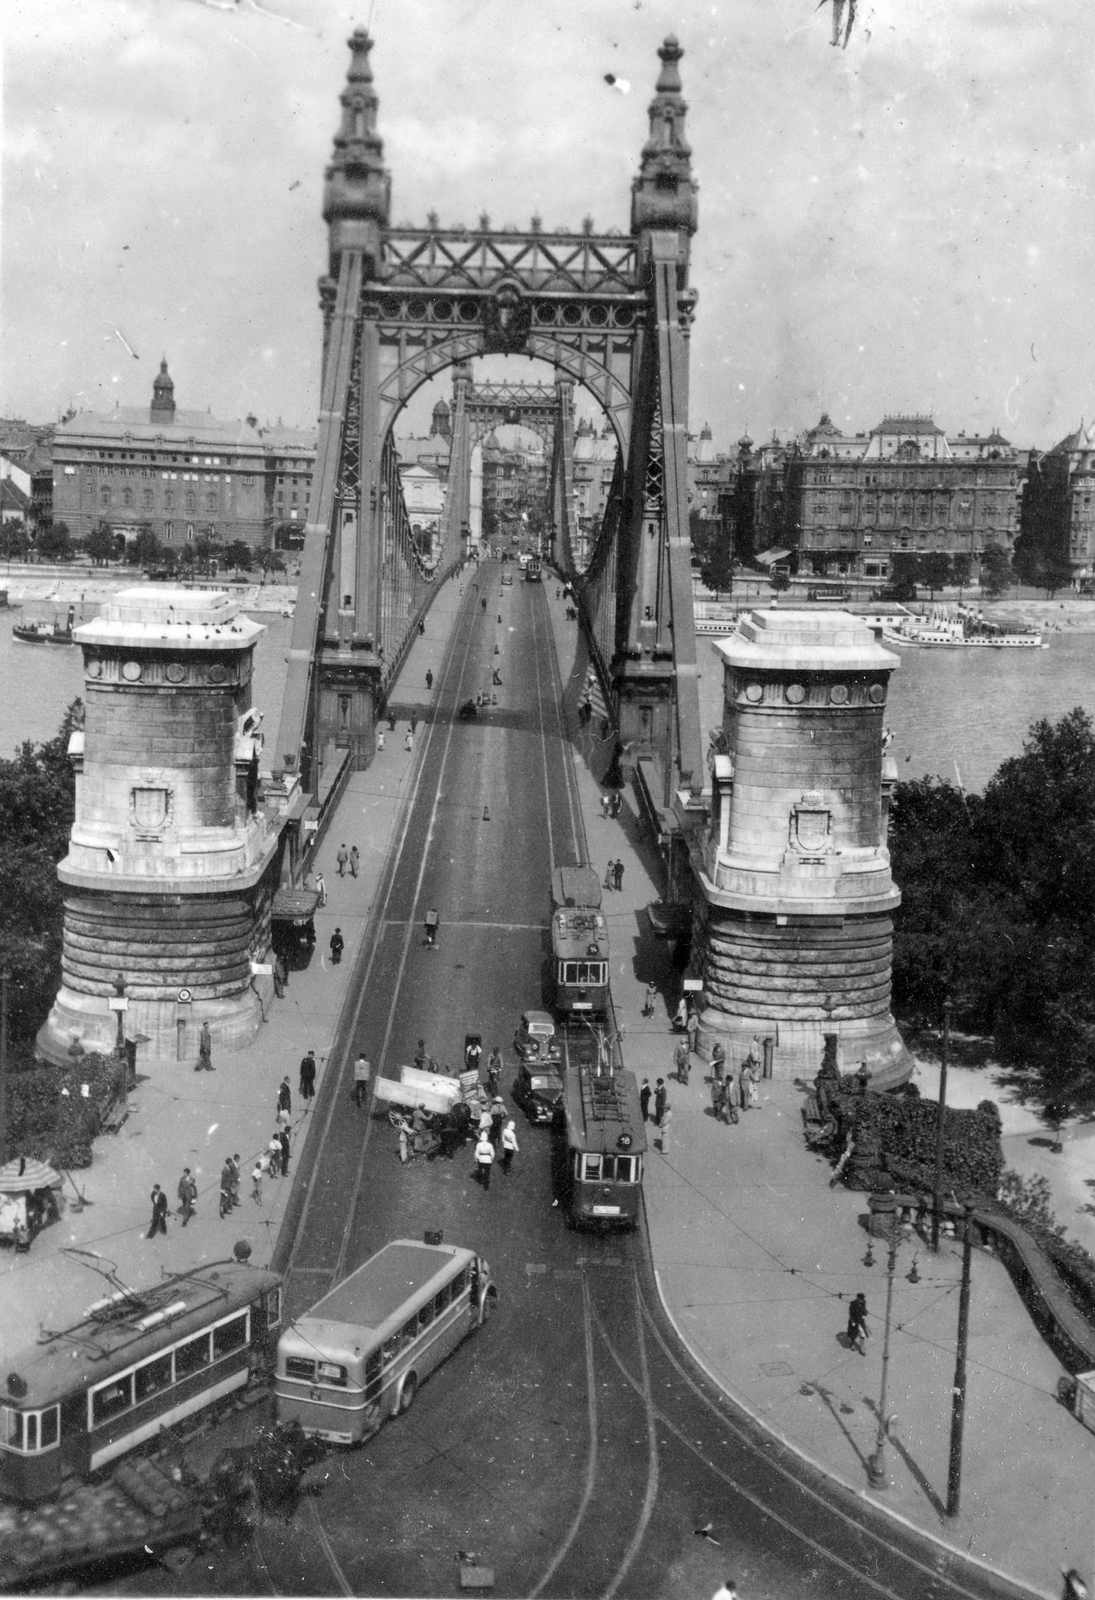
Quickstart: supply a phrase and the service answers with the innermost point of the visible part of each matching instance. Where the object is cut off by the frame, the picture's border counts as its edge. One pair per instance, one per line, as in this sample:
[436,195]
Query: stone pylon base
[799,1046]
[172,1030]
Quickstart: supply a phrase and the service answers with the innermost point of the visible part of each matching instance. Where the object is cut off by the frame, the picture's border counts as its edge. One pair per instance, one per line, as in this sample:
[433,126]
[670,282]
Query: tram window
[31,1431]
[330,1372]
[49,1427]
[299,1367]
[110,1399]
[593,1166]
[229,1336]
[372,1374]
[192,1357]
[619,1168]
[152,1377]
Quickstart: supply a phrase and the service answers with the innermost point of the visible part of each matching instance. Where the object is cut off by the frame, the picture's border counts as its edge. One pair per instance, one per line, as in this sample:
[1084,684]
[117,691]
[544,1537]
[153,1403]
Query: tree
[961,566]
[711,546]
[206,551]
[239,556]
[935,570]
[14,539]
[270,561]
[1050,570]
[780,581]
[101,544]
[54,541]
[904,572]
[146,549]
[996,573]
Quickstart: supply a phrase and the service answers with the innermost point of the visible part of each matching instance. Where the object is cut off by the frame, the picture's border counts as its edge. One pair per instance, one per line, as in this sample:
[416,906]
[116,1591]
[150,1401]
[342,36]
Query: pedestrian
[731,1098]
[680,1060]
[509,1144]
[361,1080]
[472,1052]
[429,680]
[285,1097]
[414,720]
[680,1016]
[321,889]
[234,1178]
[606,805]
[380,740]
[205,1050]
[338,944]
[663,1128]
[391,721]
[495,1067]
[225,1201]
[857,1324]
[421,1059]
[343,860]
[403,1128]
[618,873]
[484,1160]
[616,805]
[355,860]
[283,1118]
[273,1152]
[497,1119]
[308,1076]
[651,996]
[483,1126]
[283,1138]
[718,1098]
[661,1098]
[421,629]
[610,875]
[256,1180]
[750,1094]
[188,1193]
[718,1062]
[693,1027]
[281,977]
[644,1099]
[159,1212]
[408,743]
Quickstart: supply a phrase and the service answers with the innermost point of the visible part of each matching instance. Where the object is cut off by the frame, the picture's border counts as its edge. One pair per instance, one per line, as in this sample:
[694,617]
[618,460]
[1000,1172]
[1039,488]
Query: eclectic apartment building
[183,475]
[1057,531]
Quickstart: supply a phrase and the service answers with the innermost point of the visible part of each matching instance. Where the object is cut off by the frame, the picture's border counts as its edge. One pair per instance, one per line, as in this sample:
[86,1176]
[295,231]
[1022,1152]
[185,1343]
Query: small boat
[39,631]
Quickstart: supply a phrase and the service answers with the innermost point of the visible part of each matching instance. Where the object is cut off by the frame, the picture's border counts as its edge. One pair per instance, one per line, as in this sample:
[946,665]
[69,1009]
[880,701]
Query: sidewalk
[178,1117]
[756,1260]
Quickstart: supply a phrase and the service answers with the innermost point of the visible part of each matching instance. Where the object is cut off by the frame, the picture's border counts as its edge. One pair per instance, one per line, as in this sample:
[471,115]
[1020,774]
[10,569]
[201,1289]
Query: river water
[964,710]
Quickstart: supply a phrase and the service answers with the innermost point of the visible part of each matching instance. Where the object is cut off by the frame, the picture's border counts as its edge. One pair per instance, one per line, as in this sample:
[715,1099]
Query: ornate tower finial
[664,193]
[357,192]
[162,408]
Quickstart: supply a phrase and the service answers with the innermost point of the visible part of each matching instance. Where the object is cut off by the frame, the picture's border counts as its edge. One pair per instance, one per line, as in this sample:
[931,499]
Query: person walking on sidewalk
[693,1027]
[283,1139]
[680,1061]
[308,1077]
[618,872]
[484,1159]
[355,860]
[857,1324]
[188,1193]
[497,1119]
[663,1129]
[225,1201]
[651,996]
[256,1179]
[429,680]
[285,1096]
[494,1071]
[205,1050]
[321,889]
[473,1050]
[680,1016]
[731,1098]
[414,720]
[159,1212]
[408,743]
[361,1080]
[718,1098]
[615,806]
[750,1094]
[718,1063]
[606,805]
[610,875]
[510,1147]
[644,1099]
[281,977]
[233,1163]
[343,860]
[338,944]
[661,1099]
[381,739]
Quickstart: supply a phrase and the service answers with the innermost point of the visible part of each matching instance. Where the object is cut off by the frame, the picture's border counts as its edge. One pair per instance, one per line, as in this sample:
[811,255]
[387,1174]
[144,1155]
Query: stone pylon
[171,867]
[796,873]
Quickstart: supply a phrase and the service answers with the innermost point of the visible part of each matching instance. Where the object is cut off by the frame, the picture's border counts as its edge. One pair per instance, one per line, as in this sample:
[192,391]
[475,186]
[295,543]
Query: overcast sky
[904,225]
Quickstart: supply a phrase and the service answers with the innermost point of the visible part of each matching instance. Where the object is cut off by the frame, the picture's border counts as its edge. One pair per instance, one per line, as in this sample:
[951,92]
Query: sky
[903,225]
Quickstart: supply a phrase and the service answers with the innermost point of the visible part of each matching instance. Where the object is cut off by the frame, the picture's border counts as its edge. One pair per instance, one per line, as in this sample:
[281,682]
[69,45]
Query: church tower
[163,396]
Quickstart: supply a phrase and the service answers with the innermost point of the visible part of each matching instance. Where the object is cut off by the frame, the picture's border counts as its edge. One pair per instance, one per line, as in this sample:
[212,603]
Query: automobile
[538,1090]
[535,1040]
[507,580]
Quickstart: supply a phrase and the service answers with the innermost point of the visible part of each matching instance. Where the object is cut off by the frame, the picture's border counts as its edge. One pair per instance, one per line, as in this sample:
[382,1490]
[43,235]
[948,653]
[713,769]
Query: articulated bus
[359,1355]
[606,1142]
[579,943]
[139,1361]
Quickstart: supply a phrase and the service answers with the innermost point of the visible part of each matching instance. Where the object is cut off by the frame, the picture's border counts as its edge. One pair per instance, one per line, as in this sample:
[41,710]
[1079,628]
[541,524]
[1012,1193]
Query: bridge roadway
[571,1443]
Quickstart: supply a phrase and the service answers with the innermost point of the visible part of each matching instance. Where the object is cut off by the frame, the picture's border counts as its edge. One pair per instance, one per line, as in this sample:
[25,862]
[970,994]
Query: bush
[48,1116]
[894,1138]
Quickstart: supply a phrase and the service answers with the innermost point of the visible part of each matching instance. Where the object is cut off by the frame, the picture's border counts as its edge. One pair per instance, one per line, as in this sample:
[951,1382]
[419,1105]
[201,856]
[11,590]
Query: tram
[139,1361]
[533,570]
[579,943]
[606,1142]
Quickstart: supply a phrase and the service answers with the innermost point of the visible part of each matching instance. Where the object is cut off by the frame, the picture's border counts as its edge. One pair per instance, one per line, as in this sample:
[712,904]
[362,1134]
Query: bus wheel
[408,1392]
[490,1304]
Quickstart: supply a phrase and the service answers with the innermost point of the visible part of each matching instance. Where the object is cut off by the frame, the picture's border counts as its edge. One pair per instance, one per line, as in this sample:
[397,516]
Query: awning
[768,558]
[294,905]
[27,1173]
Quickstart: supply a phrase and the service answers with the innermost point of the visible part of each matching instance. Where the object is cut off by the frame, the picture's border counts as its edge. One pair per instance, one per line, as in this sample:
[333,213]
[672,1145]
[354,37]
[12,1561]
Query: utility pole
[958,1399]
[5,979]
[937,1206]
[876,1467]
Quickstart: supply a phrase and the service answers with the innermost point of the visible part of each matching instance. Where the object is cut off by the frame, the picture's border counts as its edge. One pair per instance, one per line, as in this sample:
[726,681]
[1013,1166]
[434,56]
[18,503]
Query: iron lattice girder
[534,406]
[597,265]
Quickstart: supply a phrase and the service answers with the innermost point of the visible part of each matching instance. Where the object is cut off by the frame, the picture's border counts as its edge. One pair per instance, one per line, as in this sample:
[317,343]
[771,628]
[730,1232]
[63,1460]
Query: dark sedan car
[538,1090]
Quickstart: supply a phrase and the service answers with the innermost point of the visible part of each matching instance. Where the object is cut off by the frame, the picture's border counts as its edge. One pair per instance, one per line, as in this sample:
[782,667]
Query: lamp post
[958,1400]
[5,979]
[937,1198]
[877,1475]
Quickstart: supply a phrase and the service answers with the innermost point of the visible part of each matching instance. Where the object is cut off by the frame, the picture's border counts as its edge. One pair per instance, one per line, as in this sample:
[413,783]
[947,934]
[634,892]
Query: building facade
[1057,534]
[181,475]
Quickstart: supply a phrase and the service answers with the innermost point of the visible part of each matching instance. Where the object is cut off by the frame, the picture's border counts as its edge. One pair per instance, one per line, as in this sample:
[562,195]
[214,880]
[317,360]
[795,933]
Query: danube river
[970,708]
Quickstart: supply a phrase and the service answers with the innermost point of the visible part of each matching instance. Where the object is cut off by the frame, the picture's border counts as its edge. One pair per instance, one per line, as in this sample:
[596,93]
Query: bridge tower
[608,311]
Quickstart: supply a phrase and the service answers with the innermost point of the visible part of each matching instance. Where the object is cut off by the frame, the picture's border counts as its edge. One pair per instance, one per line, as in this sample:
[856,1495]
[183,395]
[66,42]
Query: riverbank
[40,590]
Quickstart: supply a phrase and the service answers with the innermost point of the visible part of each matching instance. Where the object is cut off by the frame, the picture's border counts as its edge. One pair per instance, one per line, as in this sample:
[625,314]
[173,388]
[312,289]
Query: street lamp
[937,1198]
[877,1475]
[5,979]
[958,1398]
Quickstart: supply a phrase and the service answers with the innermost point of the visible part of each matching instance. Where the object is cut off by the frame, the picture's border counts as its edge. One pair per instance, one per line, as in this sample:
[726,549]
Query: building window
[146,499]
[169,530]
[191,500]
[211,502]
[168,500]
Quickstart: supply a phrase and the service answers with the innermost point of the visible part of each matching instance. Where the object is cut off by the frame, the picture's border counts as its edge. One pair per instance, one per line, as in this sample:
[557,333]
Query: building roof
[908,425]
[131,423]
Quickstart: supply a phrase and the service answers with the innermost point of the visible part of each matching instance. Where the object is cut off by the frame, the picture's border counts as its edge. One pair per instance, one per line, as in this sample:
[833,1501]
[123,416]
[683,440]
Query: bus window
[191,1357]
[408,1333]
[330,1372]
[153,1376]
[298,1367]
[229,1336]
[441,1299]
[110,1399]
[391,1348]
[425,1316]
[460,1283]
[373,1366]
